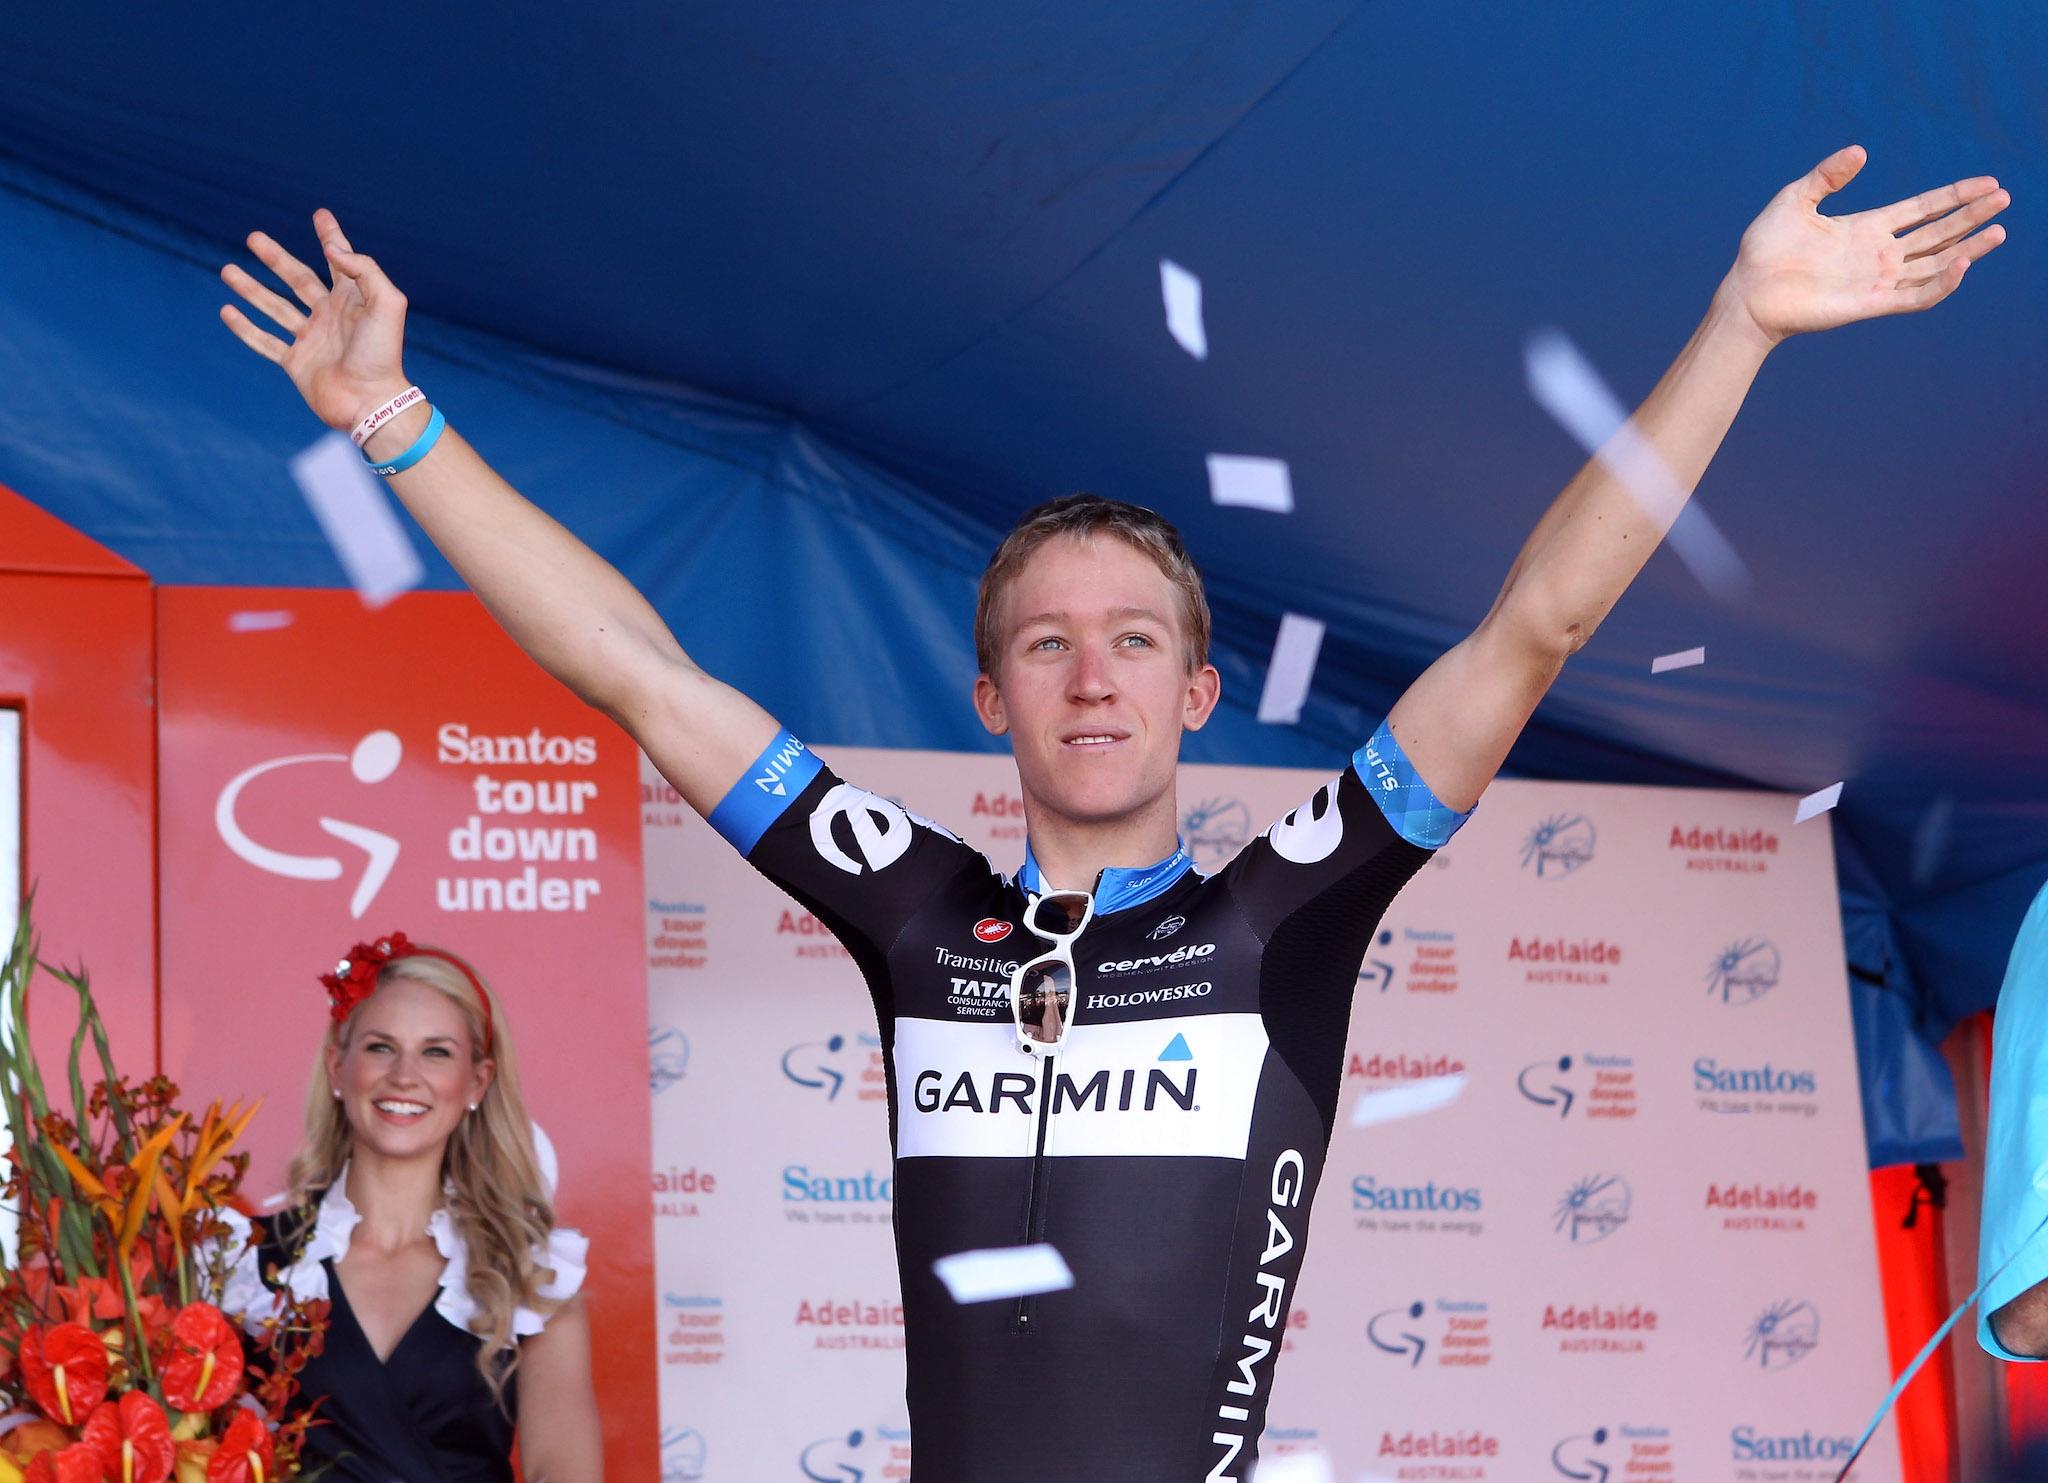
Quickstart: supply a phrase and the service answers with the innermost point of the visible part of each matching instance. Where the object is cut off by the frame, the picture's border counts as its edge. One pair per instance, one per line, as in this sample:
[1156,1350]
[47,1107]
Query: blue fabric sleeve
[771,785]
[1416,814]
[2016,1132]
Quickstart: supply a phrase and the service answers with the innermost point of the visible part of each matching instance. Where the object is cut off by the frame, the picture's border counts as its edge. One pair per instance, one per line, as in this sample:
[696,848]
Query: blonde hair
[1084,516]
[496,1196]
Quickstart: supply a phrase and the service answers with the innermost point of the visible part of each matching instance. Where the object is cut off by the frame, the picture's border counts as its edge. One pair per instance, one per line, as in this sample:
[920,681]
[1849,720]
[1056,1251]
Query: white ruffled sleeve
[568,1254]
[244,1297]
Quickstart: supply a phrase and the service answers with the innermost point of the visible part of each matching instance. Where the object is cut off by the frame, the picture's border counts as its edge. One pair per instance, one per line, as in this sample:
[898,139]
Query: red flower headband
[355,976]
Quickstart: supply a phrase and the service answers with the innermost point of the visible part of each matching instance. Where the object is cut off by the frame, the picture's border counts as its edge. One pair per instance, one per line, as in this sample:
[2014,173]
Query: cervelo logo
[1558,846]
[1167,928]
[371,760]
[991,929]
[1593,1209]
[1312,832]
[1783,1334]
[1744,971]
[1290,1173]
[1188,953]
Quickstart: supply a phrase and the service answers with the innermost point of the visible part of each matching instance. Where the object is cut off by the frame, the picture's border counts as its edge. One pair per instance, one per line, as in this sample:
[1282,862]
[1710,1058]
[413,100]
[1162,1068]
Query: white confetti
[258,622]
[1412,1100]
[1685,659]
[1183,294]
[1291,670]
[1566,386]
[1815,804]
[1253,482]
[355,514]
[1301,1467]
[1003,1272]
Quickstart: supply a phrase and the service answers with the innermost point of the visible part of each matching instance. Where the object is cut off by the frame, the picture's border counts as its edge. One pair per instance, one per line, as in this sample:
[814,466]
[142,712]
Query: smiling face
[407,1076]
[1091,682]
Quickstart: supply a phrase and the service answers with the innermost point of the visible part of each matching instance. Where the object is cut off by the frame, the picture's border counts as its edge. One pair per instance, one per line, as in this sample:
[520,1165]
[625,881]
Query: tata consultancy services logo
[1215,830]
[1783,1334]
[1580,1457]
[859,1455]
[1558,846]
[682,1455]
[1593,1209]
[668,1057]
[1744,971]
[372,760]
[825,1065]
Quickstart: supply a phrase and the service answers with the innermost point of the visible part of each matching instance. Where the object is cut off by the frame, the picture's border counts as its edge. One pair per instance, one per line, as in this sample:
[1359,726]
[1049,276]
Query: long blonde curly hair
[497,1198]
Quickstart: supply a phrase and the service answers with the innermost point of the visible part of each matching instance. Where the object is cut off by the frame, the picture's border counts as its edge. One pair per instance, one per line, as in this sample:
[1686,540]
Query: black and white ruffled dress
[424,1414]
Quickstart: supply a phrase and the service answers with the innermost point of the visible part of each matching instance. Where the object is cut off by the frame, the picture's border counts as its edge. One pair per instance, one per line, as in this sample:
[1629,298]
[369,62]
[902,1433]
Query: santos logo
[1367,1193]
[372,760]
[1752,1444]
[1745,971]
[1558,846]
[1709,1075]
[1182,1086]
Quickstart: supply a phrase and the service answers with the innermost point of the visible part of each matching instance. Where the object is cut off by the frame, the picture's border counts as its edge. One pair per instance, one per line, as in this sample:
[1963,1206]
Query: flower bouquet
[116,1362]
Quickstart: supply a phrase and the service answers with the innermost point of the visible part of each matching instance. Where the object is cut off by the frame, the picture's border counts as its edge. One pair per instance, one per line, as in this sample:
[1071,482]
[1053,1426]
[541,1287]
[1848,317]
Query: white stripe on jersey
[1166,1088]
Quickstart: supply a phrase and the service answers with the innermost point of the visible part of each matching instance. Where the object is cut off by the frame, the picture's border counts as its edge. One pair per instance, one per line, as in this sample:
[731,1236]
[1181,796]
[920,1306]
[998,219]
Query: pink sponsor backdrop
[1605,1259]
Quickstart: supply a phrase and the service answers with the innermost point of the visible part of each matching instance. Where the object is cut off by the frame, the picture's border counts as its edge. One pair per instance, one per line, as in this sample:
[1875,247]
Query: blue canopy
[790,310]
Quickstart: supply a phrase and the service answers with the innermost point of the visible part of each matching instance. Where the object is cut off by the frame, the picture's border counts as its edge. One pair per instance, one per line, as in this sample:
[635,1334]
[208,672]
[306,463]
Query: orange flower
[65,1369]
[31,1437]
[204,1366]
[133,1439]
[247,1453]
[77,1463]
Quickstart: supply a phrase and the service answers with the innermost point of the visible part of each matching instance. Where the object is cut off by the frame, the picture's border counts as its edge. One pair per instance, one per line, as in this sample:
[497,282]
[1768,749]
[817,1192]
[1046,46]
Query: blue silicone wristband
[421,447]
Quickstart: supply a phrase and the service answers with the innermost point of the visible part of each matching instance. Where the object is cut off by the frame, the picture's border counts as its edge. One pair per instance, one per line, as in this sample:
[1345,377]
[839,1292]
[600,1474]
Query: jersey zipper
[1034,1209]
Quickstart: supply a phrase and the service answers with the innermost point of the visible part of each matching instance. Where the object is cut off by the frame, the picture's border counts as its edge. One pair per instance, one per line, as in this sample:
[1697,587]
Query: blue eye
[1138,638]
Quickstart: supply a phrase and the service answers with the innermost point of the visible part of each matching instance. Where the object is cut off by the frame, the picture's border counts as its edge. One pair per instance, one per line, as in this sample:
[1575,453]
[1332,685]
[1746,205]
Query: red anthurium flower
[65,1369]
[203,1367]
[77,1463]
[247,1453]
[133,1440]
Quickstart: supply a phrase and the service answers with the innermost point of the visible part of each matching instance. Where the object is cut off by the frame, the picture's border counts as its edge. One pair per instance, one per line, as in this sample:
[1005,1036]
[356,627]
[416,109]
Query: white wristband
[385,413]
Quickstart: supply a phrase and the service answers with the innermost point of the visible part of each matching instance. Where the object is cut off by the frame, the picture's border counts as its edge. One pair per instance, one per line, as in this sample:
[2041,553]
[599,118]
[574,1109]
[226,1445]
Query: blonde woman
[420,1213]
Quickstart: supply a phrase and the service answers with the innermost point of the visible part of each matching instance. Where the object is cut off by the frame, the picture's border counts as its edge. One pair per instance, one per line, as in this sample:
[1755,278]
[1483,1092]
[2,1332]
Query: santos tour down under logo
[372,760]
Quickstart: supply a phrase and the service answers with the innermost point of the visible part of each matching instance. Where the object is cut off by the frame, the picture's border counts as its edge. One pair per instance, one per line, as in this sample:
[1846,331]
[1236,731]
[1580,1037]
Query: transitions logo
[371,760]
[1783,1334]
[860,1456]
[682,1454]
[1744,972]
[1216,829]
[1378,971]
[1558,846]
[1582,1457]
[668,1057]
[825,1065]
[1593,1209]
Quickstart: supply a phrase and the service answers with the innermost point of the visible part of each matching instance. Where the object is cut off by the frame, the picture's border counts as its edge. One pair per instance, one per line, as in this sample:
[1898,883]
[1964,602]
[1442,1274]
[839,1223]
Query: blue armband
[1416,814]
[782,771]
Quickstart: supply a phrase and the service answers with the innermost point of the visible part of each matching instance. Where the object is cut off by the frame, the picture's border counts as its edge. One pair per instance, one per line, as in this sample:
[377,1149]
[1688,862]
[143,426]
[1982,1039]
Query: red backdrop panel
[76,659]
[329,774]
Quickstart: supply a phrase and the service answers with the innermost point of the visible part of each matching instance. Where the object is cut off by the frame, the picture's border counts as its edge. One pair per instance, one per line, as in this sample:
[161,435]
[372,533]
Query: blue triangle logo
[1177,1050]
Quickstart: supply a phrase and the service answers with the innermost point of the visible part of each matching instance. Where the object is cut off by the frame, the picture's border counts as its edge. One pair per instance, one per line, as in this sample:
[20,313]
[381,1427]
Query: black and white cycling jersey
[1170,1151]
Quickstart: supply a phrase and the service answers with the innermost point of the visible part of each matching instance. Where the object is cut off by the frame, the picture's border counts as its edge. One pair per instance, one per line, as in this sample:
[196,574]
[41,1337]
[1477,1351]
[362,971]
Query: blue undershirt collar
[1117,888]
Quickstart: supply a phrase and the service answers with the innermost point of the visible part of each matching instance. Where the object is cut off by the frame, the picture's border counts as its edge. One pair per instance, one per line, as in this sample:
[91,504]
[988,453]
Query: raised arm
[1796,271]
[561,602]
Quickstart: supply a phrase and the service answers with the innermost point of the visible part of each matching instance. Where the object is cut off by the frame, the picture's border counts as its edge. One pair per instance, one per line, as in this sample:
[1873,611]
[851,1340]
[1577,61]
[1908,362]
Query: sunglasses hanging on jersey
[1043,996]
